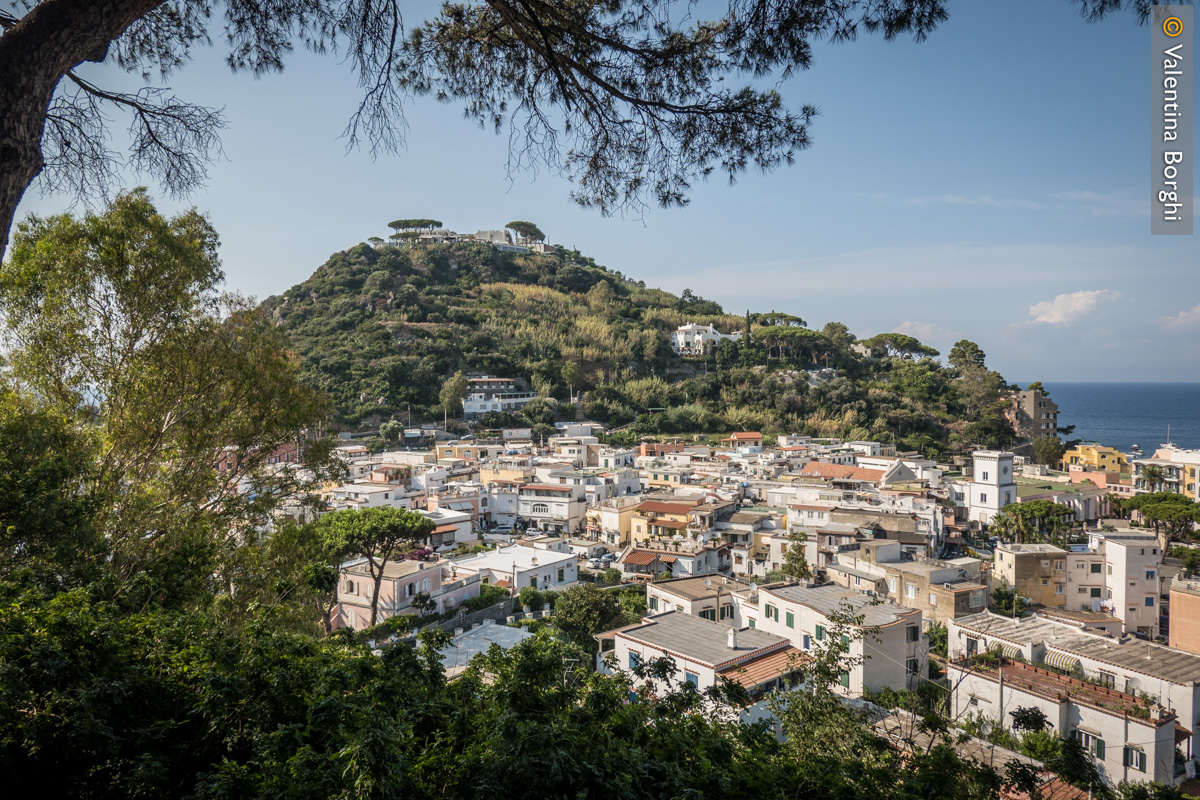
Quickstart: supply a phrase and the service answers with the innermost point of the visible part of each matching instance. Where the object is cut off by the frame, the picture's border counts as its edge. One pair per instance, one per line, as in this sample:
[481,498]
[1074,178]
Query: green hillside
[380,330]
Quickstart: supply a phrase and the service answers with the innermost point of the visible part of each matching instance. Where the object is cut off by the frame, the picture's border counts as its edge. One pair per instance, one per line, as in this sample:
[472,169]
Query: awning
[1063,661]
[1182,734]
[1009,650]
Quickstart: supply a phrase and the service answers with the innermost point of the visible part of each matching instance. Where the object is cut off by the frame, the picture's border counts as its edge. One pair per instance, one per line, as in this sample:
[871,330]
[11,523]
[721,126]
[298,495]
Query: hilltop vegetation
[380,329]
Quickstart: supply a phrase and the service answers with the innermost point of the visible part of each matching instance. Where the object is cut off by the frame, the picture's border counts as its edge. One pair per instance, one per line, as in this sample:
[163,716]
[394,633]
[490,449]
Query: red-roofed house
[840,472]
[744,439]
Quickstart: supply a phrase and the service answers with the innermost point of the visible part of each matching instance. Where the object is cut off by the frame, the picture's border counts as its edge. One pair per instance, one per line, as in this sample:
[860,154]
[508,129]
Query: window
[709,613]
[1060,564]
[751,623]
[1060,588]
[1149,574]
[972,646]
[1092,743]
[1110,569]
[977,598]
[727,612]
[561,573]
[974,701]
[1108,679]
[857,581]
[1096,568]
[984,476]
[691,678]
[772,612]
[1149,601]
[820,633]
[1045,562]
[891,584]
[1082,590]
[1079,565]
[653,603]
[910,666]
[932,599]
[410,589]
[807,642]
[634,660]
[1135,758]
[912,634]
[789,619]
[540,508]
[1095,591]
[1045,581]
[845,679]
[910,589]
[983,498]
[350,587]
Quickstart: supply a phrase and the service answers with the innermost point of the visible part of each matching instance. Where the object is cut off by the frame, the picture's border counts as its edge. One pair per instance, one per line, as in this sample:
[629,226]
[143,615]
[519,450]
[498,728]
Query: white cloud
[925,331]
[1070,307]
[1188,318]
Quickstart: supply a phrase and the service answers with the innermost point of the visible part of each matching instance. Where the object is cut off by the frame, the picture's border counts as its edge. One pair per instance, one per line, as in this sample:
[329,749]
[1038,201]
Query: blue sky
[991,183]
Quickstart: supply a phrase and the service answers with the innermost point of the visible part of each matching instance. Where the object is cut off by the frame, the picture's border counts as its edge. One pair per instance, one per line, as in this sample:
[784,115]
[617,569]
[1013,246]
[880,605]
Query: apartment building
[940,589]
[1033,414]
[1178,468]
[402,581]
[1170,677]
[886,644]
[519,566]
[704,653]
[1130,739]
[552,507]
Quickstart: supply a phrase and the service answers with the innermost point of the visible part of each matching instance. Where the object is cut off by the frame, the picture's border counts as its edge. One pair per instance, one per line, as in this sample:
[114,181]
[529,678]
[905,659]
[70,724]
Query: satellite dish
[754,587]
[708,581]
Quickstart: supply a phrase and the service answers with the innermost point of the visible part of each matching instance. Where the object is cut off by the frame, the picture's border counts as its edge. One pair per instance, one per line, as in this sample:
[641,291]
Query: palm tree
[1154,477]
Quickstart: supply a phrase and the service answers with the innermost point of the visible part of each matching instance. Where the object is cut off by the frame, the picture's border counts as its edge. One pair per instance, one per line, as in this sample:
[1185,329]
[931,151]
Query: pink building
[402,581]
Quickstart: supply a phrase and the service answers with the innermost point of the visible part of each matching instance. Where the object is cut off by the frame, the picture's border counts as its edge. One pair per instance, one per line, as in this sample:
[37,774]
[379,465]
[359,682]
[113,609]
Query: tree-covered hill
[380,329]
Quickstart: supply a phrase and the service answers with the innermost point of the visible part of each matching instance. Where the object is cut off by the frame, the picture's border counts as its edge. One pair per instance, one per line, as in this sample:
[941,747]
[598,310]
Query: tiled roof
[766,667]
[821,469]
[640,557]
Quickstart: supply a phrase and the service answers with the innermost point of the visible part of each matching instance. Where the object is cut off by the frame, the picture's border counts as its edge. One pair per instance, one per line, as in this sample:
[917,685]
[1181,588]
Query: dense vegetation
[380,329]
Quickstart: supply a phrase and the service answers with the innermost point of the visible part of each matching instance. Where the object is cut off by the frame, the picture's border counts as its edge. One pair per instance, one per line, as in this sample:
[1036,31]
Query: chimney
[733,639]
[458,632]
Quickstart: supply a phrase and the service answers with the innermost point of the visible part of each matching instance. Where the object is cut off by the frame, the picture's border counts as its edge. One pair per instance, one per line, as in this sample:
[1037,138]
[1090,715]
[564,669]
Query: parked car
[608,558]
[595,563]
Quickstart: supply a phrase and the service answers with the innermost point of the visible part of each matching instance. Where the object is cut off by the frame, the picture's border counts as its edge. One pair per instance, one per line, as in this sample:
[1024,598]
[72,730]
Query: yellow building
[660,519]
[1098,457]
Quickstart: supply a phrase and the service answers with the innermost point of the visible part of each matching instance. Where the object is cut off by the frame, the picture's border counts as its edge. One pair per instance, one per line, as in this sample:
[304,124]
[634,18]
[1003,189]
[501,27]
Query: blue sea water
[1121,415]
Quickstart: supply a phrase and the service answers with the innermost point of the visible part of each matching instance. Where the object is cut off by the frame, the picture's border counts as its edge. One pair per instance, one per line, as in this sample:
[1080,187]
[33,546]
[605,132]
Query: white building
[887,644]
[1170,677]
[552,507]
[992,486]
[691,338]
[494,394]
[1129,738]
[521,566]
[705,652]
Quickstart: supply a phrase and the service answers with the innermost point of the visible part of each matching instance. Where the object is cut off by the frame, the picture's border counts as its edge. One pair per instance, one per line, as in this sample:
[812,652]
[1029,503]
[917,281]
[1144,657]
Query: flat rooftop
[828,599]
[695,588]
[700,639]
[462,648]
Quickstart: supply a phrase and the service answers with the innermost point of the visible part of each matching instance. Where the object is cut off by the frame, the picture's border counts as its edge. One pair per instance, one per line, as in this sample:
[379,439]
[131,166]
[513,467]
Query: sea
[1121,415]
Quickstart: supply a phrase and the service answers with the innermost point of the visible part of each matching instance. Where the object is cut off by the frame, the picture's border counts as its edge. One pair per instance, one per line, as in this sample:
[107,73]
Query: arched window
[541,508]
[425,585]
